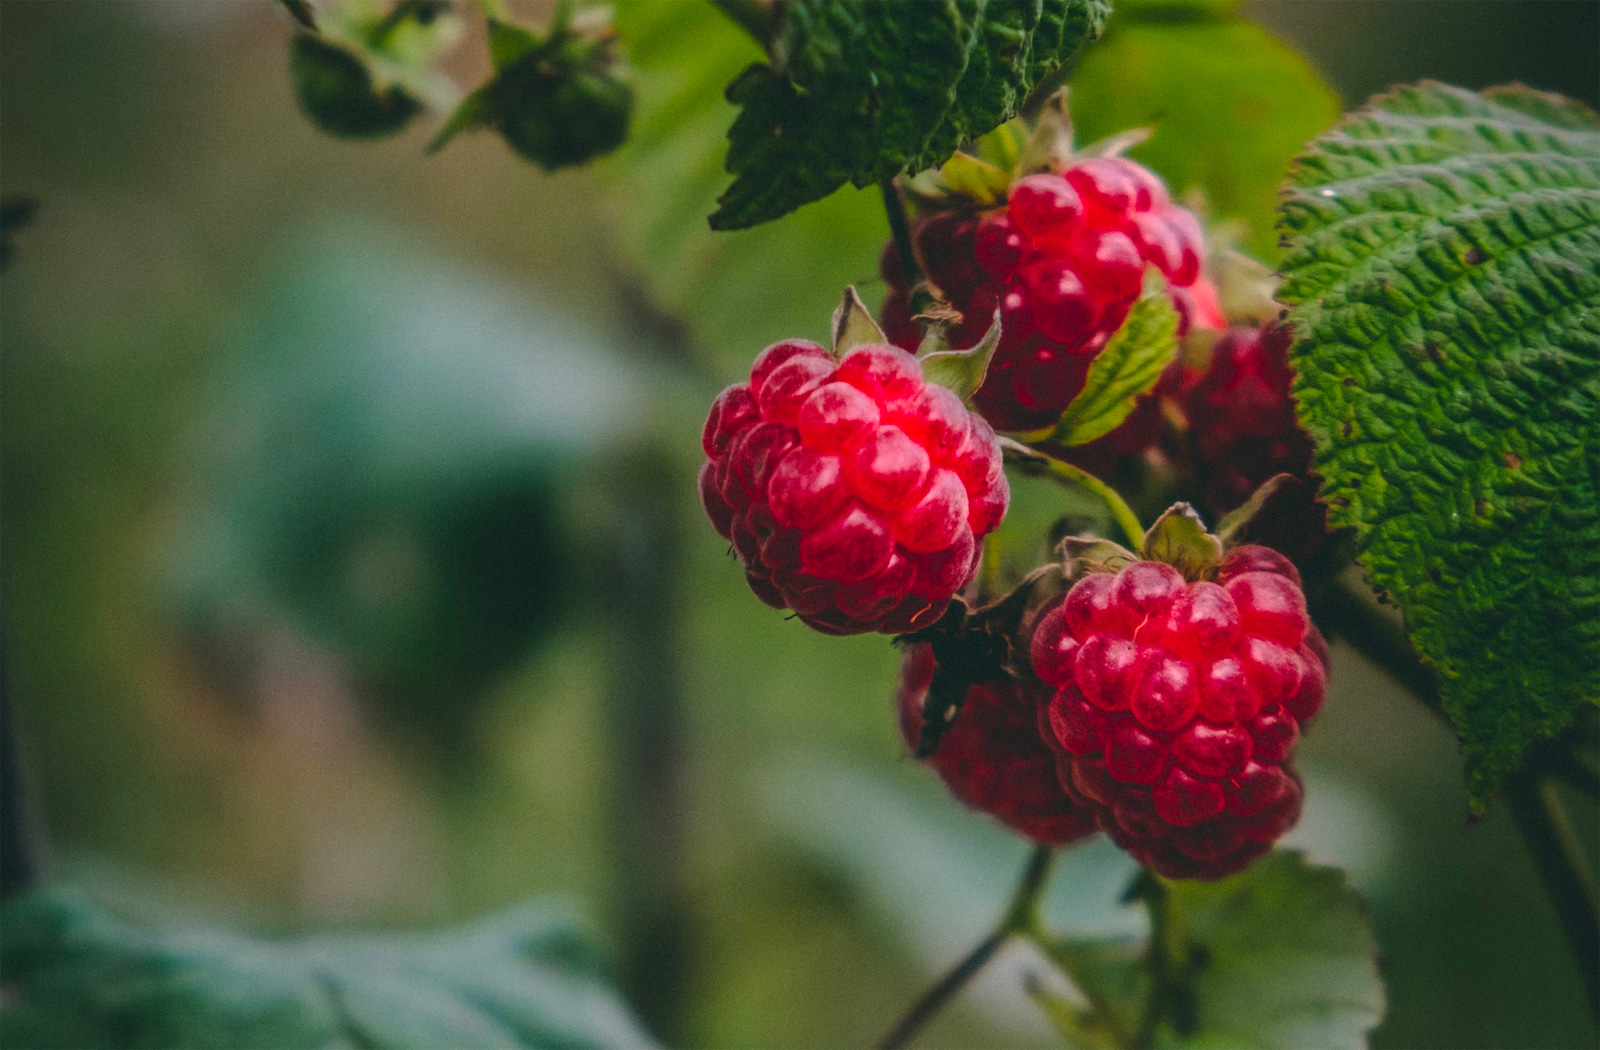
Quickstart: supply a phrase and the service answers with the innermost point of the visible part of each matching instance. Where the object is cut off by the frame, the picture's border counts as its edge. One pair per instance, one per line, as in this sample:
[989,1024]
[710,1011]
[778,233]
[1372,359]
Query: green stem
[1158,955]
[755,17]
[1021,917]
[380,33]
[1034,463]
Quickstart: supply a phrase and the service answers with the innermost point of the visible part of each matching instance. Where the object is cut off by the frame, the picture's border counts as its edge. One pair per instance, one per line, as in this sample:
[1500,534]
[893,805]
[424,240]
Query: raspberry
[1063,261]
[991,757]
[1241,417]
[854,492]
[1177,705]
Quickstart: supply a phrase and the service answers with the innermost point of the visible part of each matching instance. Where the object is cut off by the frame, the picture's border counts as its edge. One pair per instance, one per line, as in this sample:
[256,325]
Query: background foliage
[180,186]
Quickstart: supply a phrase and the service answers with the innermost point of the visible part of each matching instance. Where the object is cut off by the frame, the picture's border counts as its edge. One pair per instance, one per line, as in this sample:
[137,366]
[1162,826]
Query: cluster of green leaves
[858,92]
[1444,271]
[77,974]
[558,98]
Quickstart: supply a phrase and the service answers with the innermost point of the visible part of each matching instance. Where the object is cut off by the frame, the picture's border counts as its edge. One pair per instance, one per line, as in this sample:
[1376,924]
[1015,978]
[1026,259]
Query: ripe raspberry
[991,757]
[1064,261]
[1178,704]
[853,491]
[1241,417]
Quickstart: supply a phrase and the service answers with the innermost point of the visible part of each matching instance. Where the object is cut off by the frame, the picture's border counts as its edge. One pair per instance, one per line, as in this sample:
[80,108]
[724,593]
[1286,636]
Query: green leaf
[1127,368]
[1279,956]
[78,974]
[733,292]
[1229,107]
[336,89]
[862,91]
[1180,539]
[1444,268]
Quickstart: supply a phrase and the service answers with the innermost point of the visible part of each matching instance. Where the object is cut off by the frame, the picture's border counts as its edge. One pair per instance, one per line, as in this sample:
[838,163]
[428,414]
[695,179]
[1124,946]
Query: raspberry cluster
[992,757]
[853,491]
[1064,261]
[1241,416]
[1177,706]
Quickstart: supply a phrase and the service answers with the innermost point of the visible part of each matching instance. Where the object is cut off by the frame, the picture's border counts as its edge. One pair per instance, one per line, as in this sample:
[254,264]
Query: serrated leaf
[1127,368]
[962,370]
[1444,269]
[734,292]
[863,91]
[1228,106]
[1180,539]
[1280,956]
[78,974]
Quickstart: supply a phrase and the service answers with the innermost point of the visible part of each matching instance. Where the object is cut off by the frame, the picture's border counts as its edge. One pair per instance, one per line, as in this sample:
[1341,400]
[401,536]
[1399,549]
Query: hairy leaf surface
[860,91]
[1444,267]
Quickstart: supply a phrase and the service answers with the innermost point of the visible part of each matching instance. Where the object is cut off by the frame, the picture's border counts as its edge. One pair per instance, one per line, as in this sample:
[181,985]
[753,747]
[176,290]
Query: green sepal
[1082,555]
[854,326]
[1049,147]
[1180,539]
[509,42]
[1237,520]
[960,370]
[468,115]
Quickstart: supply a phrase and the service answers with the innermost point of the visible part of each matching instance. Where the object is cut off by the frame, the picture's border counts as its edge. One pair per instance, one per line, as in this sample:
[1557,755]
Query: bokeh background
[353,572]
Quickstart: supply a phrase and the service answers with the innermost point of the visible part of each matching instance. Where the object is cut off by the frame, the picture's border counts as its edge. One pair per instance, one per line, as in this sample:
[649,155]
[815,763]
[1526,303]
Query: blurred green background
[353,572]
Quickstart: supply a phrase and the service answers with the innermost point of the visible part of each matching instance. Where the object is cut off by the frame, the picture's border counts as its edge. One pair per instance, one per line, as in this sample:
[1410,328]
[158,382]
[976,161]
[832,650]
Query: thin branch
[1021,916]
[900,230]
[1158,956]
[1559,857]
[1034,463]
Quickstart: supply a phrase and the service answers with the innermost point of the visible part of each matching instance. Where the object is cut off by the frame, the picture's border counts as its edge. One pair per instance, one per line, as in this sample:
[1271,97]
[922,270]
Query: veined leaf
[79,975]
[1444,269]
[861,91]
[1127,368]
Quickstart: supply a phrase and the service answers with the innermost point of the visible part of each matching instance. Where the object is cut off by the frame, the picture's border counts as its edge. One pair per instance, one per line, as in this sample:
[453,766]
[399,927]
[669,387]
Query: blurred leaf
[16,212]
[862,91]
[736,292]
[337,91]
[1279,957]
[79,975]
[1444,278]
[1126,369]
[1230,107]
[386,468]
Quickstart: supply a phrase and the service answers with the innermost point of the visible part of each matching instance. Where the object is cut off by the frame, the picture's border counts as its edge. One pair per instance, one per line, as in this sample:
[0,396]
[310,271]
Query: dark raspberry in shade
[992,758]
[1063,261]
[1241,417]
[854,492]
[1177,704]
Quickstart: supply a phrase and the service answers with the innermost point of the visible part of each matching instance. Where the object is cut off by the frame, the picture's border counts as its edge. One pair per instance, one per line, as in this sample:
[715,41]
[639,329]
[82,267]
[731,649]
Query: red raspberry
[854,492]
[991,757]
[1241,416]
[1178,703]
[1063,261]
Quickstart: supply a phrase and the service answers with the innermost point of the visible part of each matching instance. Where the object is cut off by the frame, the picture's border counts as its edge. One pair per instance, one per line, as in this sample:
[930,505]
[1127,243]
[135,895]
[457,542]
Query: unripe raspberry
[1063,260]
[854,492]
[1177,705]
[1241,416]
[991,757]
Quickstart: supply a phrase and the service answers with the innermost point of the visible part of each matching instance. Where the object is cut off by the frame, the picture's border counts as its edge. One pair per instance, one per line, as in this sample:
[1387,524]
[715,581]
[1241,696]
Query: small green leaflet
[1444,273]
[1125,370]
[861,91]
[79,975]
[1279,957]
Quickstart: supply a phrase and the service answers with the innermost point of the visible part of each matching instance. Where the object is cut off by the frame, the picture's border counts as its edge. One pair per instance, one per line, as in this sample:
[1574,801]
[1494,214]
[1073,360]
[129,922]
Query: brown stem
[1559,858]
[1021,916]
[900,230]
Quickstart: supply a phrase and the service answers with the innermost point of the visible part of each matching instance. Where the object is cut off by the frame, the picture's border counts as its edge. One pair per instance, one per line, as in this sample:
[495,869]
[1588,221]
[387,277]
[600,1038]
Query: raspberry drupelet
[854,491]
[991,757]
[1177,706]
[1063,260]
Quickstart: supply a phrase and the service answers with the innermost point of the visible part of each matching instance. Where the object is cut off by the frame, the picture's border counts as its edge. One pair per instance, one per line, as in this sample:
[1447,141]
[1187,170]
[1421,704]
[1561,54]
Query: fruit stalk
[1035,464]
[1021,917]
